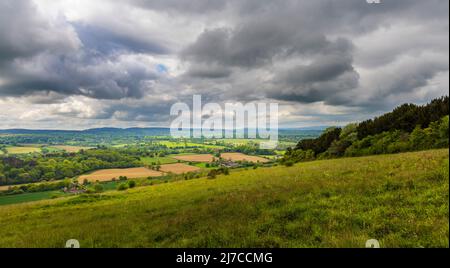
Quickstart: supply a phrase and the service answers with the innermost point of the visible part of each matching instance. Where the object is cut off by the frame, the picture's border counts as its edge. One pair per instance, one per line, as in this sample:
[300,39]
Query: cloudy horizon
[90,64]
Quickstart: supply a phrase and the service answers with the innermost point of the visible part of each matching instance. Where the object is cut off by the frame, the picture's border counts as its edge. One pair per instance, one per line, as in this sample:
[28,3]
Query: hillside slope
[401,200]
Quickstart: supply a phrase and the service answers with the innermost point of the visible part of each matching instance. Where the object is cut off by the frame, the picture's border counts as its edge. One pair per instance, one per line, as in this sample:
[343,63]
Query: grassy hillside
[401,200]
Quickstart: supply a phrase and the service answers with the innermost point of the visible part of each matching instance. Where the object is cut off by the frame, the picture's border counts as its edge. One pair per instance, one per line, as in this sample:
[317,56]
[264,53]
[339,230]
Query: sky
[86,64]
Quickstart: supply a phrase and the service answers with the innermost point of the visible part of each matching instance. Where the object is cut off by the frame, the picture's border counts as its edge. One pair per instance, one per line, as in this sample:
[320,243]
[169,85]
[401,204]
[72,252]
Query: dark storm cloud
[24,32]
[329,76]
[38,56]
[343,53]
[80,74]
[253,45]
[318,33]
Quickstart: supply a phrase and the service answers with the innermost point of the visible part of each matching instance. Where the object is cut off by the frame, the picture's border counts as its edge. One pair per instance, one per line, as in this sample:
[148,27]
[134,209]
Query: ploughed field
[402,200]
[204,158]
[178,168]
[110,174]
[242,157]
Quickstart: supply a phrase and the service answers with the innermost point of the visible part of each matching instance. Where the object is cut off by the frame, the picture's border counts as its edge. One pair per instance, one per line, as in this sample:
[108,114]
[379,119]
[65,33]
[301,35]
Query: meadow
[181,144]
[158,160]
[402,200]
[29,197]
[69,148]
[22,150]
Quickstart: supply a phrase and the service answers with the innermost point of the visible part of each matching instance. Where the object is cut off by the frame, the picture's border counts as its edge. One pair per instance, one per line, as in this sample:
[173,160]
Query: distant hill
[138,131]
[142,131]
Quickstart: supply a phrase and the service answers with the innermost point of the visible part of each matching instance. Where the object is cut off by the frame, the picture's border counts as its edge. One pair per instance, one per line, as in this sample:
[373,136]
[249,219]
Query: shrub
[122,187]
[289,163]
[212,174]
[132,184]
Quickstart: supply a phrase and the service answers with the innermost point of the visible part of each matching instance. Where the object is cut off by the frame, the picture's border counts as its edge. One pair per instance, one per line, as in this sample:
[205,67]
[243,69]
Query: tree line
[36,168]
[408,127]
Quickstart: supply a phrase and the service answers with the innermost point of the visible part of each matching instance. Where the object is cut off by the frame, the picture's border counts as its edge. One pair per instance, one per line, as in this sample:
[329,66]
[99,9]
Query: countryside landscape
[193,128]
[346,185]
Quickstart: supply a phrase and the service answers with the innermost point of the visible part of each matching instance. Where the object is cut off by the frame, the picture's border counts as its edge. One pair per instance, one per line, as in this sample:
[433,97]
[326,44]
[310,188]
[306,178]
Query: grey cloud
[24,32]
[208,71]
[108,41]
[293,51]
[39,56]
[182,6]
[80,74]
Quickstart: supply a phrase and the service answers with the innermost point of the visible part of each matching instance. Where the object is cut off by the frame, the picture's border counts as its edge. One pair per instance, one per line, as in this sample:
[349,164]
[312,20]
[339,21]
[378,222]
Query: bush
[131,184]
[212,174]
[288,163]
[122,187]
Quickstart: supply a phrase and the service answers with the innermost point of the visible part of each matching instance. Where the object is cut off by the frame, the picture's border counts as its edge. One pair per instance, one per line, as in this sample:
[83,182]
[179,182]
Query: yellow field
[243,157]
[178,168]
[110,174]
[207,158]
[71,149]
[23,150]
[4,188]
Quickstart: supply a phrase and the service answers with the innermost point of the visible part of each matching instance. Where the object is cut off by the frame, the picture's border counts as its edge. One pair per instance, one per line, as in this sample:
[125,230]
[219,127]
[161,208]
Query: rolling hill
[402,200]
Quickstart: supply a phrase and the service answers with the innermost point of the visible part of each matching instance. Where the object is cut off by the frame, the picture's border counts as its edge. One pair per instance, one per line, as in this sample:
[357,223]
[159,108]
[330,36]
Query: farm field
[400,200]
[28,197]
[4,188]
[158,160]
[178,168]
[255,141]
[110,174]
[70,149]
[180,144]
[206,158]
[23,150]
[242,157]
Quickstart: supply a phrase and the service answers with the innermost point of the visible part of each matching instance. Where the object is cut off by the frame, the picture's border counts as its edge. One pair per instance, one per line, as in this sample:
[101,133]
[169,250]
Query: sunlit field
[22,150]
[402,200]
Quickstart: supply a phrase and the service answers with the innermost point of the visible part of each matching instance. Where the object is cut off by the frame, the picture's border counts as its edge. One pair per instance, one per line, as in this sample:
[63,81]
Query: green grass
[22,150]
[202,165]
[402,200]
[28,197]
[181,144]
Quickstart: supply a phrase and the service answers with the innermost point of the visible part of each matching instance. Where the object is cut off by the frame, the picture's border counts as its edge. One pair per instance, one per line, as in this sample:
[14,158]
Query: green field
[160,160]
[23,150]
[402,200]
[180,144]
[28,197]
